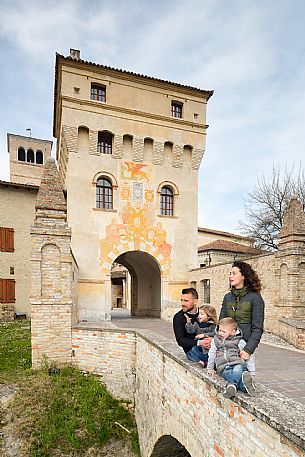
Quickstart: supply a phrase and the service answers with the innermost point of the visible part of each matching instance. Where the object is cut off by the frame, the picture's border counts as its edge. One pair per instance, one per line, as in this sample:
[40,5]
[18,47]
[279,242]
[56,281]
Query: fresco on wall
[135,227]
[136,171]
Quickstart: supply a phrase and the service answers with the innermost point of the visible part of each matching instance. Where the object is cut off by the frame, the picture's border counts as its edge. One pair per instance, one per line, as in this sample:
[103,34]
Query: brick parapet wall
[197,158]
[138,149]
[118,146]
[158,153]
[177,398]
[178,156]
[111,354]
[93,138]
[70,135]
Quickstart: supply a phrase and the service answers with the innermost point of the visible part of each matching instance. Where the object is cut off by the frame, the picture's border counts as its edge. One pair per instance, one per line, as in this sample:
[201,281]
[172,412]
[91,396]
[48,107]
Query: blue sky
[252,53]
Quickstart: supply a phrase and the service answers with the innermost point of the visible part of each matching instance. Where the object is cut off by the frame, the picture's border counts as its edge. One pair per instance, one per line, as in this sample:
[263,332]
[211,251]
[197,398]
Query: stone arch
[168,446]
[106,174]
[145,272]
[170,184]
[50,272]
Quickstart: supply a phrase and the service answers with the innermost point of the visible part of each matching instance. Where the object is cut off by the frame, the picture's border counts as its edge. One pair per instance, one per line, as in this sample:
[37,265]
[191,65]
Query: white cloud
[250,53]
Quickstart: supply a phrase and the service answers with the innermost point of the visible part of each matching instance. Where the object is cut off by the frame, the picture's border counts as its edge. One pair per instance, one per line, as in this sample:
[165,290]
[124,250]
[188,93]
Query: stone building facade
[129,148]
[17,209]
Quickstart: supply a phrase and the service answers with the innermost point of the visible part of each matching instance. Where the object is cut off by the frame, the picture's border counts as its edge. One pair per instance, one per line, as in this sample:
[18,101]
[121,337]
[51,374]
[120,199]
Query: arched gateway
[145,284]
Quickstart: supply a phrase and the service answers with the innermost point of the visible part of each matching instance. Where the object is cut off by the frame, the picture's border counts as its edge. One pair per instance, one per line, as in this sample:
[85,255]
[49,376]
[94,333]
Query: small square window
[177,109]
[98,92]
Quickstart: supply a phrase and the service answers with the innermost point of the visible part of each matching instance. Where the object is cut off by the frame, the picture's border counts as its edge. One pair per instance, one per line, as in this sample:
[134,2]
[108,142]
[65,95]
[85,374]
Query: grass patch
[15,349]
[65,414]
[70,413]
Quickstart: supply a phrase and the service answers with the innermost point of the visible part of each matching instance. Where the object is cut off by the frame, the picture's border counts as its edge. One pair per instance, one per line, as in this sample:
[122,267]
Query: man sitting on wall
[189,301]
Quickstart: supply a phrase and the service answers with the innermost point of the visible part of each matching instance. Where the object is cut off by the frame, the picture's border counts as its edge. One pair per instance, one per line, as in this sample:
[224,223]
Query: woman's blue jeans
[233,374]
[196,355]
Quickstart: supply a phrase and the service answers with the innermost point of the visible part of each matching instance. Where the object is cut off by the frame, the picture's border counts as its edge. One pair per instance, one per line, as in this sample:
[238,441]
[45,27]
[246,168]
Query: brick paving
[277,368]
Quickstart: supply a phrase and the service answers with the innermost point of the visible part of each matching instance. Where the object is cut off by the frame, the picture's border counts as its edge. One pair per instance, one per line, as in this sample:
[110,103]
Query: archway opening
[168,446]
[140,289]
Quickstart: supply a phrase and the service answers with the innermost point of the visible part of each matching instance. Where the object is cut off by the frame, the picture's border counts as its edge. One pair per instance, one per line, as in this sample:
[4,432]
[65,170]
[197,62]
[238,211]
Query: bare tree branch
[266,204]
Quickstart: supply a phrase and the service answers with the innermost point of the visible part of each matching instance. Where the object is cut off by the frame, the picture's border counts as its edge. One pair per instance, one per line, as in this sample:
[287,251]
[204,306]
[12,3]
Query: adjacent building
[17,210]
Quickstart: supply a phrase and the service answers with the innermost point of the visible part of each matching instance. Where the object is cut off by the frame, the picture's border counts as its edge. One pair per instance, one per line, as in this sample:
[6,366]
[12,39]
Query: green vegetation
[15,349]
[66,413]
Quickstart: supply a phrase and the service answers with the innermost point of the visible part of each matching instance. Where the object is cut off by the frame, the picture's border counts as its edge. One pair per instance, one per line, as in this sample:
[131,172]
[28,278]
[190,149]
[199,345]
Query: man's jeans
[233,374]
[196,355]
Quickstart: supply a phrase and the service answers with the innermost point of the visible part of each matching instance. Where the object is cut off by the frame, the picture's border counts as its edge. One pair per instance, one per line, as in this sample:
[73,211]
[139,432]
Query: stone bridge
[179,410]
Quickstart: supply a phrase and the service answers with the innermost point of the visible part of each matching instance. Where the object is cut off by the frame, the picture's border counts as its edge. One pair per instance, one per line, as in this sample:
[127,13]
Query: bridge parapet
[175,398]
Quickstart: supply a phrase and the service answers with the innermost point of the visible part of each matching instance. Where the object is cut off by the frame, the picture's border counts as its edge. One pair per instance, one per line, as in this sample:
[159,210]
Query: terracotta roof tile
[222,245]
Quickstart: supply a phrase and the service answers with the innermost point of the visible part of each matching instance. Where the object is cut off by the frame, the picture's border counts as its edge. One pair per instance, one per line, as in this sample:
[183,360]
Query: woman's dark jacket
[249,314]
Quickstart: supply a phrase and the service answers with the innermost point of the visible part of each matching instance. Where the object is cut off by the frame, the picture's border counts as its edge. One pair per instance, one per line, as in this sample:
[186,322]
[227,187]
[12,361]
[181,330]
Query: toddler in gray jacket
[225,355]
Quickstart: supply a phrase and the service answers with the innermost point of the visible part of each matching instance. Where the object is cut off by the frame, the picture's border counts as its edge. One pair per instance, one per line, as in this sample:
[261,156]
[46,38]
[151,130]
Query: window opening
[98,92]
[104,143]
[177,109]
[167,201]
[104,194]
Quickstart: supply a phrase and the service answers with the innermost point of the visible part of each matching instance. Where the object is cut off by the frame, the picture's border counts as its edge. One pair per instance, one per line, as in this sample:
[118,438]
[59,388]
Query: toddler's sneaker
[248,383]
[230,391]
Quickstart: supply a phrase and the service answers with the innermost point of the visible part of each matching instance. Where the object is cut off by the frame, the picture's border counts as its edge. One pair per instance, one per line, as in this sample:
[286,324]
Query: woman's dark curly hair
[252,281]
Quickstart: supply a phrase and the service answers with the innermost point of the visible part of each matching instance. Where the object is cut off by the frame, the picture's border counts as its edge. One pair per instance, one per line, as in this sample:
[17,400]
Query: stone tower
[52,309]
[290,271]
[129,148]
[27,158]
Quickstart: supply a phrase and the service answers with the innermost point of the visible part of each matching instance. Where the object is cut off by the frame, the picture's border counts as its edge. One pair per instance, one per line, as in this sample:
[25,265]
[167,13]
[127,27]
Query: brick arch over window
[168,184]
[105,174]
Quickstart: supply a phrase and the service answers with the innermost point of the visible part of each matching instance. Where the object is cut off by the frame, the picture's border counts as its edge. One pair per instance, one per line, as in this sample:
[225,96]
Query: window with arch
[104,193]
[167,201]
[30,156]
[39,157]
[104,142]
[21,154]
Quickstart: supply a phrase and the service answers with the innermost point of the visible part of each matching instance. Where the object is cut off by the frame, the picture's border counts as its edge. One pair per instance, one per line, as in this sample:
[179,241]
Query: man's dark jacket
[184,339]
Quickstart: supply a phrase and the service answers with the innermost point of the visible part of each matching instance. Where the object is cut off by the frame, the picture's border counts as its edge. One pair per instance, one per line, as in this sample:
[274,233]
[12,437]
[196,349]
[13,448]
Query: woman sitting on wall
[245,304]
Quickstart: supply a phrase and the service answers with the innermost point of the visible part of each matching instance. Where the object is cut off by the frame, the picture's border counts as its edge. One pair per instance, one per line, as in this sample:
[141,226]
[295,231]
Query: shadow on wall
[167,446]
